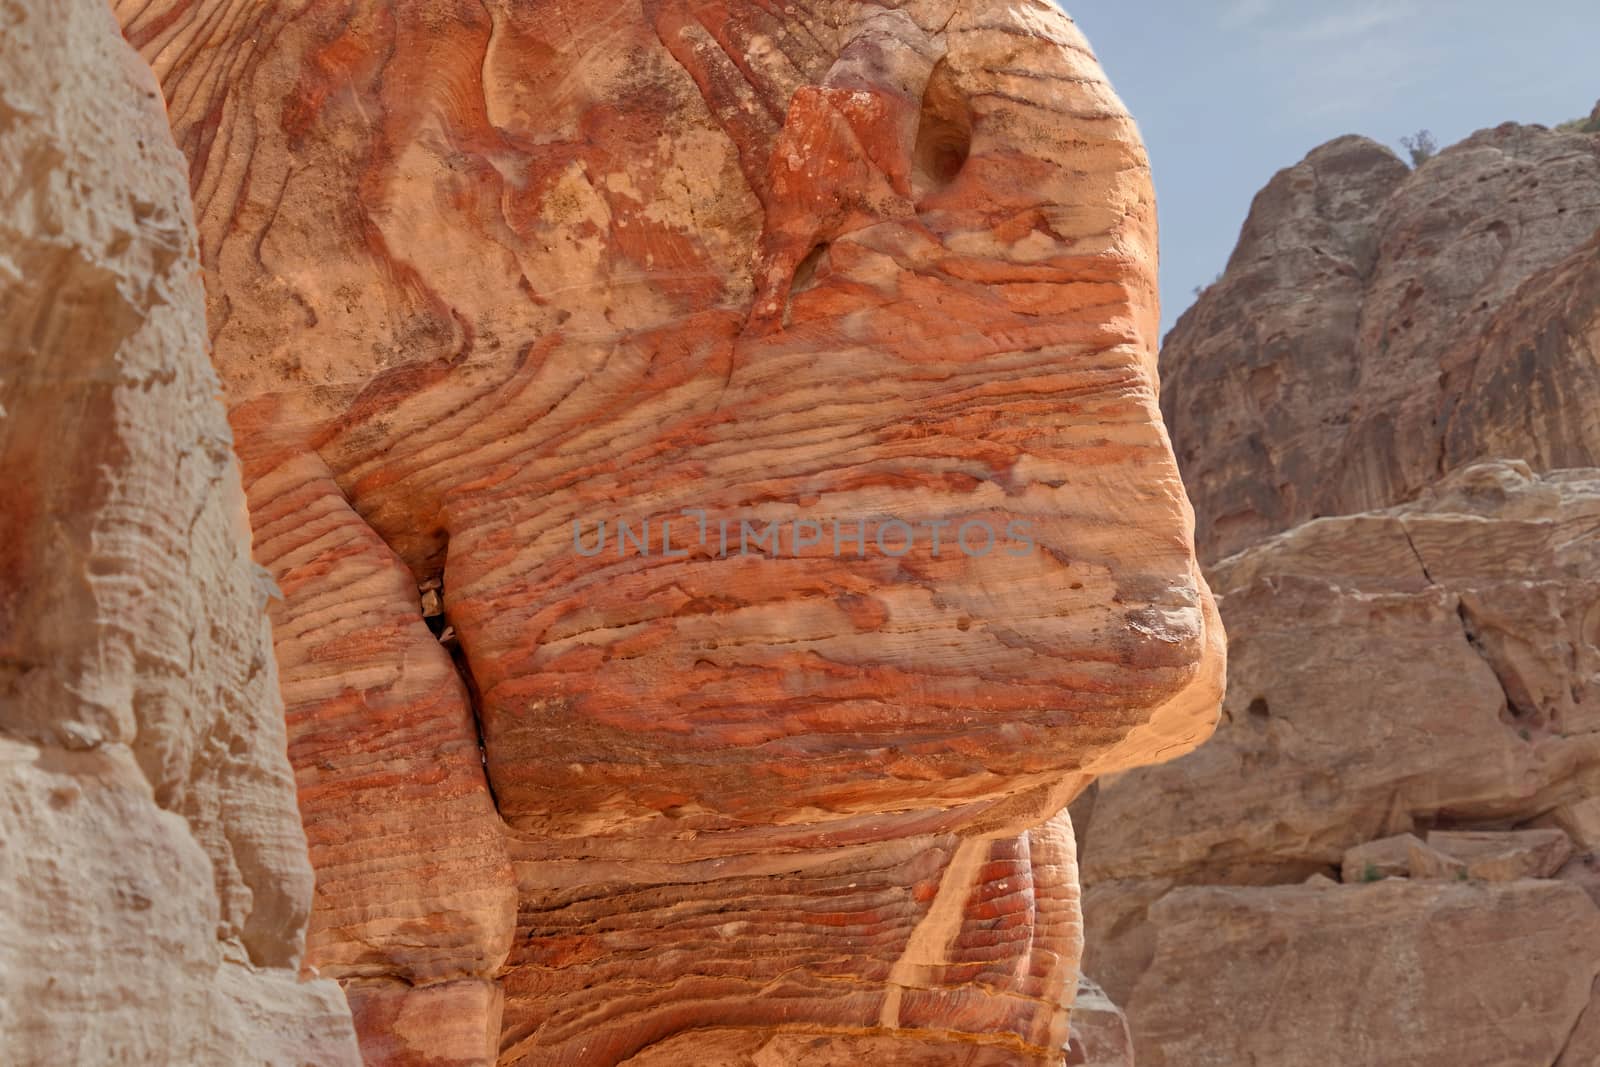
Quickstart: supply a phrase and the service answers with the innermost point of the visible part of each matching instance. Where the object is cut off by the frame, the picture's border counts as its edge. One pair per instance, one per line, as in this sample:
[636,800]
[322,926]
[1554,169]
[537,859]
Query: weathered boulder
[1427,864]
[1430,974]
[1434,665]
[844,277]
[154,888]
[1378,327]
[1461,855]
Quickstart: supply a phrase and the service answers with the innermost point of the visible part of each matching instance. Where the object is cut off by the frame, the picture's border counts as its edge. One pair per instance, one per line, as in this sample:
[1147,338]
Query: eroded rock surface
[1408,688]
[1431,665]
[482,272]
[1378,327]
[154,888]
[1398,972]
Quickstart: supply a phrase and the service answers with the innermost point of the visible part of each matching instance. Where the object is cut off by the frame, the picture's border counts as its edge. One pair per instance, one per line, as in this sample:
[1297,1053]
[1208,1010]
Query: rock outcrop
[1388,412]
[1378,327]
[870,285]
[154,888]
[1407,688]
[1423,667]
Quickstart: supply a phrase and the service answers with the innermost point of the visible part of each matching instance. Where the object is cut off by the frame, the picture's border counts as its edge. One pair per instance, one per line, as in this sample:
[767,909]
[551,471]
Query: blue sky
[1229,91]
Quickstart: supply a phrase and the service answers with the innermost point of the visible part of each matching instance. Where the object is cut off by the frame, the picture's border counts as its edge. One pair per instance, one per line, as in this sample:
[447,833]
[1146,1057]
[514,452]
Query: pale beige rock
[154,888]
[1430,667]
[1100,1035]
[1370,861]
[1426,864]
[1426,974]
[1461,620]
[1504,857]
[1581,821]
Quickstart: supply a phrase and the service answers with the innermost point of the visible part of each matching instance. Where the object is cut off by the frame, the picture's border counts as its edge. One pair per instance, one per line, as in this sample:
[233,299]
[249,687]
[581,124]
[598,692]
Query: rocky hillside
[1377,327]
[1388,414]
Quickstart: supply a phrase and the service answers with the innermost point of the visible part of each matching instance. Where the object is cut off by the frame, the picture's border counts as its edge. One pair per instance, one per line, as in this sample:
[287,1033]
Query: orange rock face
[770,395]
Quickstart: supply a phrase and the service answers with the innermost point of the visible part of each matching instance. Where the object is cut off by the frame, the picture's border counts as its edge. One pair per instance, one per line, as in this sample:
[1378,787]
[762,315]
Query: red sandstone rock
[479,272]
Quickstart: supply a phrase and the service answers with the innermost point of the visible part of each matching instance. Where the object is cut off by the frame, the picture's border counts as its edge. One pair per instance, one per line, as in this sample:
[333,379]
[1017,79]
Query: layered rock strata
[873,286]
[154,888]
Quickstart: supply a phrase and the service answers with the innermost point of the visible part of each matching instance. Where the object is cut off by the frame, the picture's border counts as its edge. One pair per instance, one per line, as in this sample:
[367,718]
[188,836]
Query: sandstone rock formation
[1377,328]
[154,887]
[1399,972]
[1407,688]
[483,276]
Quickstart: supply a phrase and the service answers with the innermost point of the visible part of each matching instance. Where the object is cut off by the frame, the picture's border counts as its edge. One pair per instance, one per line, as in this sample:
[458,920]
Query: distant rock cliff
[1377,327]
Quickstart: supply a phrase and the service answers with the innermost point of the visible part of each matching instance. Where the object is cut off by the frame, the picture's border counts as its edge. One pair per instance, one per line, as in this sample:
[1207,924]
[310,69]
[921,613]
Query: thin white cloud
[1352,25]
[1336,66]
[1239,13]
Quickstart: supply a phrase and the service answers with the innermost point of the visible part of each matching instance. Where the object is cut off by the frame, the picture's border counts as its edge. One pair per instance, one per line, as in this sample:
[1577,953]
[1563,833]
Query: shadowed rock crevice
[944,133]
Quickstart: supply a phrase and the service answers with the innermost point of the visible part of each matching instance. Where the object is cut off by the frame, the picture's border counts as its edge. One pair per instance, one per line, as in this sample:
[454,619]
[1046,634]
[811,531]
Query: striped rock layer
[840,277]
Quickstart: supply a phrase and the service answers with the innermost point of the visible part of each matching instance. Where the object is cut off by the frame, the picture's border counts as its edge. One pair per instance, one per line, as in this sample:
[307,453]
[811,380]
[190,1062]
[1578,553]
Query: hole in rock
[805,275]
[814,265]
[1258,710]
[944,134]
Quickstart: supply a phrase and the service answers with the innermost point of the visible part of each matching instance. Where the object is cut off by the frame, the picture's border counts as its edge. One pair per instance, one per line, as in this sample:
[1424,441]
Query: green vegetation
[1372,874]
[1421,146]
[1588,125]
